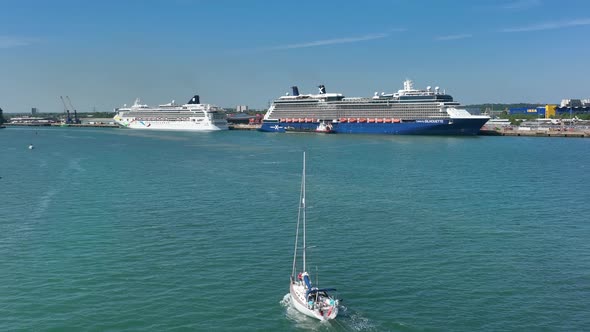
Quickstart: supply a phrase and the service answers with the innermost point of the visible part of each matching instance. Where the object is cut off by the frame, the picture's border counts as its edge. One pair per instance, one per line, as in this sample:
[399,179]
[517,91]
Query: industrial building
[241,108]
[549,111]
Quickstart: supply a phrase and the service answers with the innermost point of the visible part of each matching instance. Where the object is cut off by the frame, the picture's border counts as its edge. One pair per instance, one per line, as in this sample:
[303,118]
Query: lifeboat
[363,120]
[351,120]
[308,120]
[343,120]
[396,121]
[300,120]
[295,120]
[379,120]
[287,120]
[387,120]
[371,120]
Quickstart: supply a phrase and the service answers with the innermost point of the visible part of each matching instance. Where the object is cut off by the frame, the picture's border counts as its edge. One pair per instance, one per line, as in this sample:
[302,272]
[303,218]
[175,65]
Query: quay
[86,125]
[9,124]
[535,133]
[83,125]
[240,126]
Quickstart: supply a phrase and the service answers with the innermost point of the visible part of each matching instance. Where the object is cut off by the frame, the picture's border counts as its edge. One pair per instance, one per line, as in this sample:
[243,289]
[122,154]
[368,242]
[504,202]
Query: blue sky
[104,54]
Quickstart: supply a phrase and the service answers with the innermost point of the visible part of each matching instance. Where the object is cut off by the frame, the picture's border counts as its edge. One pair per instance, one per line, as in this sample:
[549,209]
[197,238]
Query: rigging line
[301,199]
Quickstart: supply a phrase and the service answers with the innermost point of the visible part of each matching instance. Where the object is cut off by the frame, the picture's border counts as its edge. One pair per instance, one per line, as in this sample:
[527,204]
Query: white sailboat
[308,299]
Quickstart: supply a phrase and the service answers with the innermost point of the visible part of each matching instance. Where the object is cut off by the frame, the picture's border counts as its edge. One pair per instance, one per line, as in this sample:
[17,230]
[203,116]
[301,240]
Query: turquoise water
[120,230]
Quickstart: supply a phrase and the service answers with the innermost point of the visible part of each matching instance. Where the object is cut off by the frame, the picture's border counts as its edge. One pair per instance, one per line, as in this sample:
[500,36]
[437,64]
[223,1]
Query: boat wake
[346,320]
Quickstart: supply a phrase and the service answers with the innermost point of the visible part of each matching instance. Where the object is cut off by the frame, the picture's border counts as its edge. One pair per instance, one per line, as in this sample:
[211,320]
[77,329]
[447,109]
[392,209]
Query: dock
[83,125]
[87,125]
[239,126]
[572,132]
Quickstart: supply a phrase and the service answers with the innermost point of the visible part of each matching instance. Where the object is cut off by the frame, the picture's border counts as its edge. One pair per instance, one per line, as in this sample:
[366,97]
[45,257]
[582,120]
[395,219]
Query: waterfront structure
[192,116]
[241,108]
[550,111]
[571,103]
[32,121]
[408,111]
[539,111]
[497,123]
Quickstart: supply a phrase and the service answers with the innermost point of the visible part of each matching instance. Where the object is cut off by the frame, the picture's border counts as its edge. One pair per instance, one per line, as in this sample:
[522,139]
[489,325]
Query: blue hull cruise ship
[406,112]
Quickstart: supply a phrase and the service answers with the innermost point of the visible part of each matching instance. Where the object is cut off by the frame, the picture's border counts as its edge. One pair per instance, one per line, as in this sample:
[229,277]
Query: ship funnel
[194,100]
[322,89]
[295,90]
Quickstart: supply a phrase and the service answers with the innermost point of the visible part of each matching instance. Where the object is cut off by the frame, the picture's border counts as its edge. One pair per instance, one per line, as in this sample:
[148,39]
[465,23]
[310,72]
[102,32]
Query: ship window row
[163,119]
[353,106]
[356,114]
[363,111]
[303,112]
[162,114]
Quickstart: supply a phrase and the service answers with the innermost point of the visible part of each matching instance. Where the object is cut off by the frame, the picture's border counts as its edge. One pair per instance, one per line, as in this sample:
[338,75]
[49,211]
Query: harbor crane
[76,120]
[68,119]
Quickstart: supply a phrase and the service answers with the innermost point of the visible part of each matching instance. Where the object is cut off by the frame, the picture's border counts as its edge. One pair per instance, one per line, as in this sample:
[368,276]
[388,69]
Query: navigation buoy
[31,147]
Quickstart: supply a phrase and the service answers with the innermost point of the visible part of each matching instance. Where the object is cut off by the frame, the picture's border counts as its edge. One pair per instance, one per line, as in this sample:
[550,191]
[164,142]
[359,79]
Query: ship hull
[469,126]
[171,125]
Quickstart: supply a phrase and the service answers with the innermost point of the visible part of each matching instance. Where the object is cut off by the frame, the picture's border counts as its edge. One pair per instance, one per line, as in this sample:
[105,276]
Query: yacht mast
[299,215]
[303,207]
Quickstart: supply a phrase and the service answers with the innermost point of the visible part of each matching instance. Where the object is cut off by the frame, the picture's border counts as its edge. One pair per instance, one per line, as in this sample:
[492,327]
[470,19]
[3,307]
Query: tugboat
[324,127]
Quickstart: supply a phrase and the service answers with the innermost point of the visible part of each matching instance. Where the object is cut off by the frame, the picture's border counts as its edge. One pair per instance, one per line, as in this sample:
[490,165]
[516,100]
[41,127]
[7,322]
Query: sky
[104,54]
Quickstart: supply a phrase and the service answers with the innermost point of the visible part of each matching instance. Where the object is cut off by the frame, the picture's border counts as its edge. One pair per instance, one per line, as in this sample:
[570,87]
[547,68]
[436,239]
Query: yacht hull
[298,300]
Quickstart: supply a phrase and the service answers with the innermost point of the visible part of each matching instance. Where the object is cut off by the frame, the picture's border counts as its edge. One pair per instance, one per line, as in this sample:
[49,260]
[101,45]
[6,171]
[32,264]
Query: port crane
[68,119]
[76,120]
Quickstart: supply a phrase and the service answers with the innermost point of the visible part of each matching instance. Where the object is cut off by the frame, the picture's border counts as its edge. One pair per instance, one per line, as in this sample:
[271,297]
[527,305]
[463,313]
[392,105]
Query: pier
[239,126]
[572,132]
[82,125]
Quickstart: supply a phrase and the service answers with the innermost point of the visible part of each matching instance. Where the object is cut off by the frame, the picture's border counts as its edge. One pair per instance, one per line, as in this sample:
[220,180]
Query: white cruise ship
[192,116]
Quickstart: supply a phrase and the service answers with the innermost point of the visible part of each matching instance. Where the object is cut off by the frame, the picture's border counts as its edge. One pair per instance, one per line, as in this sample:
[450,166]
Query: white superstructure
[192,116]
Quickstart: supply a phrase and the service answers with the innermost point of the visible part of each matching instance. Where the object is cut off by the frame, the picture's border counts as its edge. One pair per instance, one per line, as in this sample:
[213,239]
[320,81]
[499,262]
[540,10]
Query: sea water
[122,230]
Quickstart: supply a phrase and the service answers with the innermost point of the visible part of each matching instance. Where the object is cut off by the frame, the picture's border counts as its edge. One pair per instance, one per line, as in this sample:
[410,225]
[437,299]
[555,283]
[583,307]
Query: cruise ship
[192,116]
[406,112]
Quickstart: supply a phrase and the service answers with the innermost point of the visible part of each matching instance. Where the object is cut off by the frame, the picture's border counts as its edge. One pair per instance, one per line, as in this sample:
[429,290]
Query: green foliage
[1,117]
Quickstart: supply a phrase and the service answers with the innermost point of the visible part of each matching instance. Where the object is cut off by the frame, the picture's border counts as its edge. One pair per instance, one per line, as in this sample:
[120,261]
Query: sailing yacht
[307,298]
